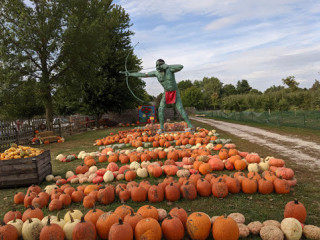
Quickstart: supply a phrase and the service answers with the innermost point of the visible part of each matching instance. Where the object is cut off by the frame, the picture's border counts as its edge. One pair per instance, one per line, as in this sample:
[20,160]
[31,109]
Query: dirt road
[303,152]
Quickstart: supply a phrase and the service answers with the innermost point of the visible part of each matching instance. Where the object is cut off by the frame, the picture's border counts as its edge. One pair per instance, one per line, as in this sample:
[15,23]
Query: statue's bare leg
[161,112]
[181,110]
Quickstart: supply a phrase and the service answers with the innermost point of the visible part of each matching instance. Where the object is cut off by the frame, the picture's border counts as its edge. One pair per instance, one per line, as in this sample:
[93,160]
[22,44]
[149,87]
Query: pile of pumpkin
[136,137]
[171,190]
[16,152]
[193,161]
[151,223]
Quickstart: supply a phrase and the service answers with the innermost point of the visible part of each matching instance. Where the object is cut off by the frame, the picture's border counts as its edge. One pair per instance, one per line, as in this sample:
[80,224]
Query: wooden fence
[21,132]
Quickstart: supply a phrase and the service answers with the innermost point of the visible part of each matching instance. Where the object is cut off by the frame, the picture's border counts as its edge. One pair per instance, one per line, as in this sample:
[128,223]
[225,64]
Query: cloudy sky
[260,41]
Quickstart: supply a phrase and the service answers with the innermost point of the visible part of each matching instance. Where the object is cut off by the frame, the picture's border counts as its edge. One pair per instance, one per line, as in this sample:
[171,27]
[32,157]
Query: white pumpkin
[49,178]
[56,178]
[127,152]
[264,166]
[58,221]
[60,156]
[74,180]
[80,154]
[142,172]
[209,146]
[50,188]
[76,214]
[90,178]
[31,229]
[291,228]
[120,177]
[93,169]
[183,173]
[134,165]
[140,149]
[69,174]
[68,228]
[145,164]
[83,179]
[253,167]
[17,223]
[93,154]
[162,213]
[108,176]
[45,219]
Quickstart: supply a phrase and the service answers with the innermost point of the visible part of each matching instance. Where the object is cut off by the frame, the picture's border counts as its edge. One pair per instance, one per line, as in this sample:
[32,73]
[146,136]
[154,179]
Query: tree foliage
[71,52]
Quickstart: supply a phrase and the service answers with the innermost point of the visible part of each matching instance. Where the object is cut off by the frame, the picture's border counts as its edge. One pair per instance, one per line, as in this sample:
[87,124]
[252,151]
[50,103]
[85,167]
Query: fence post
[59,124]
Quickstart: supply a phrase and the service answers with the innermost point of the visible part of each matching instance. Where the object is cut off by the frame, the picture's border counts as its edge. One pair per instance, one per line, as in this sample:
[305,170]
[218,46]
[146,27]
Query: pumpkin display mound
[152,172]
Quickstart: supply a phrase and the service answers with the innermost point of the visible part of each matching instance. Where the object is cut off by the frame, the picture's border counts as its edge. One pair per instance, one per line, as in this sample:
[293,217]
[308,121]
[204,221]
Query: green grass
[255,207]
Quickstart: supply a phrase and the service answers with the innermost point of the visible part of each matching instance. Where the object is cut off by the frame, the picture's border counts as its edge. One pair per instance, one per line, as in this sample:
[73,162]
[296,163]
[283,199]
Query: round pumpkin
[148,229]
[198,226]
[84,230]
[104,223]
[172,228]
[295,209]
[121,231]
[225,228]
[51,231]
[148,211]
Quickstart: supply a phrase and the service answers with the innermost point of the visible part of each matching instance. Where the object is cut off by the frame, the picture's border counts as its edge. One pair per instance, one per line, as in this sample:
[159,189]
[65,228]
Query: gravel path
[301,151]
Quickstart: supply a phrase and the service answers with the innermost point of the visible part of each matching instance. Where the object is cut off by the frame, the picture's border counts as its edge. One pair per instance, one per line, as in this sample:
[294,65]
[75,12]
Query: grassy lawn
[255,207]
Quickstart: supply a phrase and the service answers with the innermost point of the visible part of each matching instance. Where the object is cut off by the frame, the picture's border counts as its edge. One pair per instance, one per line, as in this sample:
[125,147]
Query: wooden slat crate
[25,171]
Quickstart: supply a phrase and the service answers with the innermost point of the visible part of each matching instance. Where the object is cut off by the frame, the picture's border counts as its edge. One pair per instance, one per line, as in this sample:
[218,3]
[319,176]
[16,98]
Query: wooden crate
[25,171]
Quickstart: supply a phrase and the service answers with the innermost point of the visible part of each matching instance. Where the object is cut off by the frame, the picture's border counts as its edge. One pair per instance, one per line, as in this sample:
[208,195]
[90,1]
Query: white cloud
[261,41]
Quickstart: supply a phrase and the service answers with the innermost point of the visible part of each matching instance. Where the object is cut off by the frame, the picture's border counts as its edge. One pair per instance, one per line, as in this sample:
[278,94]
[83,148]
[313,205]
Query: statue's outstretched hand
[125,73]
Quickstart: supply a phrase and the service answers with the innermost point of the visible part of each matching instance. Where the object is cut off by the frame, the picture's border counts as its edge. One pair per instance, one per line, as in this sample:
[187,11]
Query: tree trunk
[98,116]
[49,109]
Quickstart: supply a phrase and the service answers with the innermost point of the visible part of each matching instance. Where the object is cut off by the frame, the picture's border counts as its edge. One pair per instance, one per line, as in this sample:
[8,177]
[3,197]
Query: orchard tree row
[211,93]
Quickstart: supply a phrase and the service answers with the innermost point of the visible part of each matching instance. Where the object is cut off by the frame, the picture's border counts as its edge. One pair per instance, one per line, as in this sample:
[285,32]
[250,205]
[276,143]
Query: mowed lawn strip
[255,207]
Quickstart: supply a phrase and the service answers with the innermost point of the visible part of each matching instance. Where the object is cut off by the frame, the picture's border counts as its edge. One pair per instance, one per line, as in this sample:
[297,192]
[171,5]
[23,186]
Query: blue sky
[260,41]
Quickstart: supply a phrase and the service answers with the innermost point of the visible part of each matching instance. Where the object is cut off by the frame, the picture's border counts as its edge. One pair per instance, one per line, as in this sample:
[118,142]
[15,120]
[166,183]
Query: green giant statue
[165,75]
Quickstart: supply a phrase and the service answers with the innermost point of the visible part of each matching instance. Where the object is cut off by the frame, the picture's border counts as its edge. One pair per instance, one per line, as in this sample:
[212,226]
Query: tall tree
[211,91]
[228,90]
[274,88]
[243,87]
[31,40]
[73,49]
[191,97]
[290,82]
[103,28]
[185,84]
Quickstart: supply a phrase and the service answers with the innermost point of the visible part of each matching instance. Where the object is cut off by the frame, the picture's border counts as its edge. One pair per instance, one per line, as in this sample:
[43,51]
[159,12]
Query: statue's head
[159,62]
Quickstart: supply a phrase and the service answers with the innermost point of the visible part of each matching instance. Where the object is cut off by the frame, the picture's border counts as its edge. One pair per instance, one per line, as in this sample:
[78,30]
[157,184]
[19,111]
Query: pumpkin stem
[82,219]
[58,216]
[296,201]
[132,213]
[71,218]
[48,222]
[120,221]
[30,220]
[2,223]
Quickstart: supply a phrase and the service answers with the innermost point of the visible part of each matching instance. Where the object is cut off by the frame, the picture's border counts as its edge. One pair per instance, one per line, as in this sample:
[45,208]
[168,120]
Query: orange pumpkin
[225,228]
[198,226]
[295,209]
[148,229]
[84,230]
